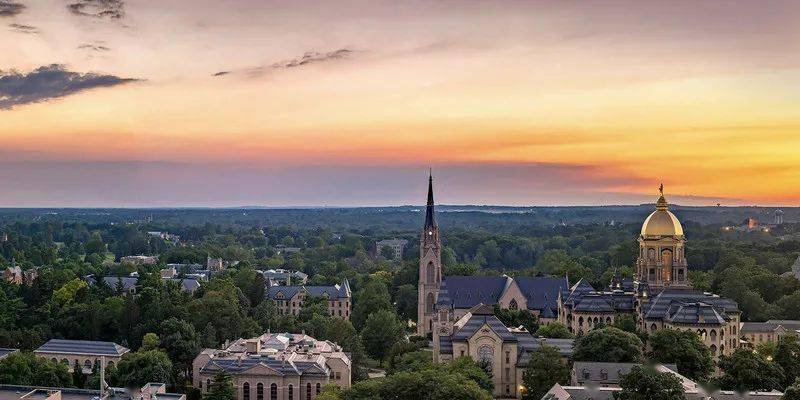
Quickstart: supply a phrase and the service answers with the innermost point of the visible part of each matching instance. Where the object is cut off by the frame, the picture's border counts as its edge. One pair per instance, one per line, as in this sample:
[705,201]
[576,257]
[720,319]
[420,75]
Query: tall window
[246,391]
[513,304]
[308,391]
[291,392]
[273,392]
[429,303]
[319,388]
[431,273]
[486,356]
[260,391]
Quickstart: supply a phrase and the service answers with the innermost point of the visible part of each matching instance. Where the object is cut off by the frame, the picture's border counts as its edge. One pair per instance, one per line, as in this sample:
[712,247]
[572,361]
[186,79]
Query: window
[508,374]
[429,303]
[513,304]
[291,392]
[319,388]
[603,374]
[260,391]
[508,357]
[208,384]
[430,273]
[308,391]
[273,392]
[462,353]
[246,391]
[338,375]
[486,355]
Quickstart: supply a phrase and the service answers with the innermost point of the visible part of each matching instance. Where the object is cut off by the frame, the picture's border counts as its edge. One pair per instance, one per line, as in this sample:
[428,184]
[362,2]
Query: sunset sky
[228,103]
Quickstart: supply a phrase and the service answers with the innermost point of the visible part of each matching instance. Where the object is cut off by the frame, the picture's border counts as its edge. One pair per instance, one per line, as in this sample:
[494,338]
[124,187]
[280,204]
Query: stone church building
[456,311]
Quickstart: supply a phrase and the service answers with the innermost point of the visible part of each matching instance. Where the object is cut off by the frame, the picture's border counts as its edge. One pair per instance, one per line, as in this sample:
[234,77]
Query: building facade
[397,246]
[84,354]
[275,366]
[290,299]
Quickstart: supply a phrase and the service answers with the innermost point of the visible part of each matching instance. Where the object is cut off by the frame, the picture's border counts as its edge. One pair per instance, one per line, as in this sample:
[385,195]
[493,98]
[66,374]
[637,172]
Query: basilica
[457,311]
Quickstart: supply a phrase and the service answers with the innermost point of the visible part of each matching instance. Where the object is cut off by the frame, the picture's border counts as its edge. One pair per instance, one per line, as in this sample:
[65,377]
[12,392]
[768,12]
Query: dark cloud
[47,83]
[307,58]
[23,28]
[97,46]
[313,57]
[10,8]
[111,9]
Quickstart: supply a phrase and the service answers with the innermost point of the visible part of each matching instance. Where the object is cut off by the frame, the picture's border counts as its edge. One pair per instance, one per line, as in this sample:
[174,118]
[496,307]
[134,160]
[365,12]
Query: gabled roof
[540,292]
[658,306]
[88,347]
[476,322]
[695,314]
[757,327]
[469,291]
[332,292]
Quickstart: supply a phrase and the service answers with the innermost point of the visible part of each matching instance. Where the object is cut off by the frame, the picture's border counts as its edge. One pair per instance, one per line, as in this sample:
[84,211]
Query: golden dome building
[662,259]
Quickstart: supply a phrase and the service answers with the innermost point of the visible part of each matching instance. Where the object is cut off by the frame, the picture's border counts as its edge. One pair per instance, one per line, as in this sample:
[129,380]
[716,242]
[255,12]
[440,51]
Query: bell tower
[430,267]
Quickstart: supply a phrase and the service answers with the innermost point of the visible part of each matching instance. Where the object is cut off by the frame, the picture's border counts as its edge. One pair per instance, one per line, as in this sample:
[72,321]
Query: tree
[372,298]
[608,345]
[787,355]
[684,349]
[792,392]
[543,371]
[554,330]
[626,323]
[221,388]
[405,300]
[645,383]
[387,253]
[150,341]
[27,369]
[181,342]
[136,369]
[748,370]
[381,331]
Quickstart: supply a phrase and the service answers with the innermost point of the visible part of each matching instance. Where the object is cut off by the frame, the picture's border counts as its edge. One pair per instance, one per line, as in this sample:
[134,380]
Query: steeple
[430,217]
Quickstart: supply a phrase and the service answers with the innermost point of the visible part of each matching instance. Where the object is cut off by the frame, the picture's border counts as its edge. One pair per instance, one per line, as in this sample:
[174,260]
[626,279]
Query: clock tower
[430,267]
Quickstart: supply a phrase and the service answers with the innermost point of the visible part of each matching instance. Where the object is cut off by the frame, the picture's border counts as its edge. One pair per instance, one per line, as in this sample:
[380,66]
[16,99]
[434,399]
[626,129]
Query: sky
[115,103]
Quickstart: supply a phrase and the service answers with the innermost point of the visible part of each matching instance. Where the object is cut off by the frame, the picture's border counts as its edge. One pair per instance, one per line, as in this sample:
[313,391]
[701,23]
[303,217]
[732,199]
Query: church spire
[430,218]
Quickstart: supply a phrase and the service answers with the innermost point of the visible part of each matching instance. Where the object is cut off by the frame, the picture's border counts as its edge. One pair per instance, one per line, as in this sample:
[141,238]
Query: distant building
[13,275]
[281,249]
[599,381]
[285,277]
[139,260]
[165,235]
[83,354]
[275,366]
[778,217]
[397,246]
[215,264]
[755,333]
[290,299]
[127,284]
[4,352]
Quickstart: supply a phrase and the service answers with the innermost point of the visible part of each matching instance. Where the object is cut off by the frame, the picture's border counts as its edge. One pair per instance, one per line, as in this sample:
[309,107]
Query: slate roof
[542,293]
[88,347]
[289,367]
[527,343]
[333,292]
[475,322]
[695,313]
[590,371]
[4,352]
[187,284]
[128,282]
[594,302]
[469,291]
[786,323]
[657,307]
[748,327]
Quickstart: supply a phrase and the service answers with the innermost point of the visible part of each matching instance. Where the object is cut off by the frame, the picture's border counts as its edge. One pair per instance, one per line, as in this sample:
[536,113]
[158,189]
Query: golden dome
[662,222]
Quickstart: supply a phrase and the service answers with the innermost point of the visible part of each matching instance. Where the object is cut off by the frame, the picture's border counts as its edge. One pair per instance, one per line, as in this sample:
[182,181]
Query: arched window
[513,304]
[429,303]
[651,254]
[260,391]
[319,388]
[713,349]
[431,273]
[246,391]
[87,364]
[713,335]
[208,384]
[580,321]
[653,327]
[308,391]
[273,392]
[608,320]
[54,359]
[486,356]
[291,392]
